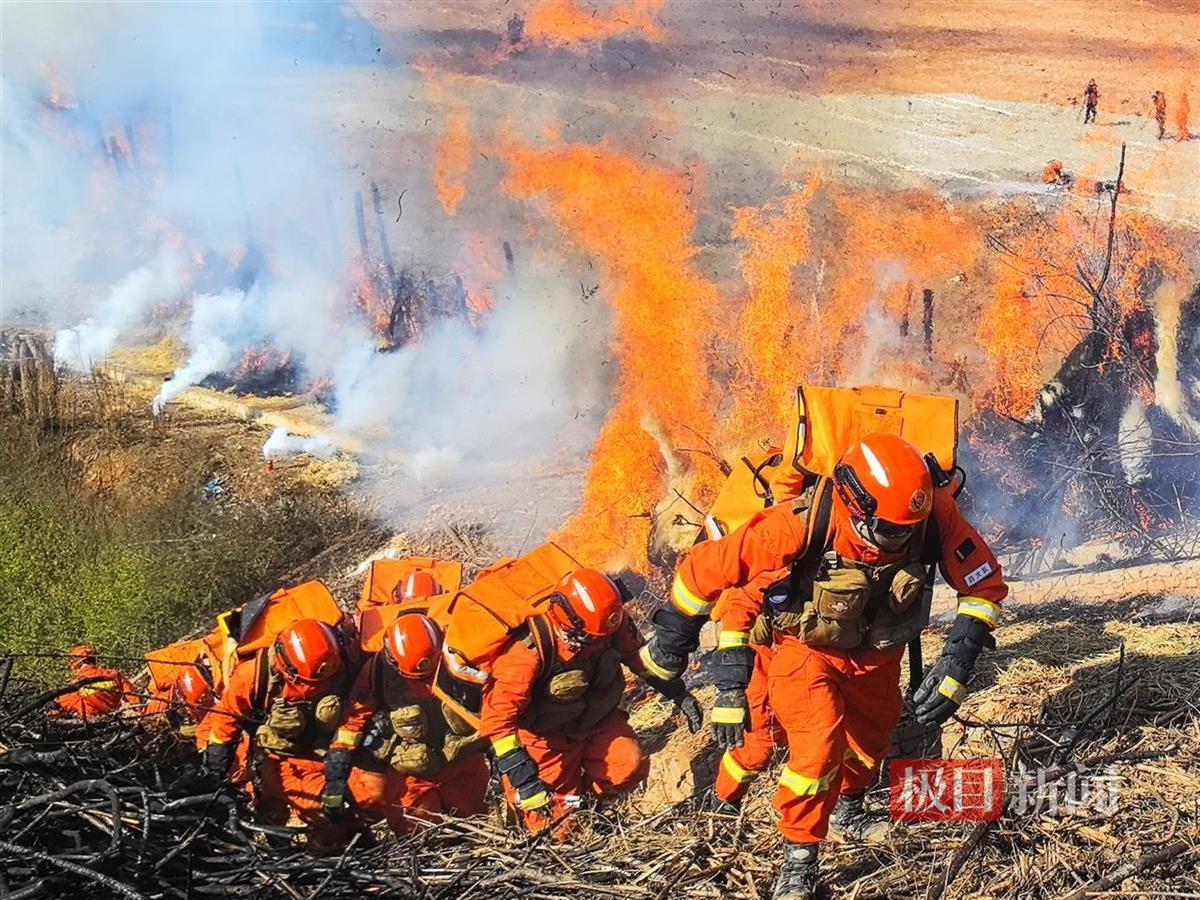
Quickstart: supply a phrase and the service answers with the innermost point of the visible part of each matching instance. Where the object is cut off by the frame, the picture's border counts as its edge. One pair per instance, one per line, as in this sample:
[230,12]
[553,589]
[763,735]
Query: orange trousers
[836,710]
[609,760]
[458,790]
[293,786]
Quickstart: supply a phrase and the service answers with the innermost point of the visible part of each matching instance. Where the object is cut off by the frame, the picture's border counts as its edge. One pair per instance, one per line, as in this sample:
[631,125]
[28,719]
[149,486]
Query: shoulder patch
[963,550]
[977,575]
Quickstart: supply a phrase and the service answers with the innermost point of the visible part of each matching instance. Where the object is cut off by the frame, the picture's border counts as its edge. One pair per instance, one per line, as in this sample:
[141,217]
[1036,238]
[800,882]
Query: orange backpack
[384,575]
[505,600]
[253,626]
[826,421]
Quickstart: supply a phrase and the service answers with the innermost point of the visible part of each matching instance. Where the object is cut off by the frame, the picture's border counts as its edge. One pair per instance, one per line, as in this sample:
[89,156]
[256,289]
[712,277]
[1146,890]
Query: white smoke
[82,346]
[213,129]
[282,445]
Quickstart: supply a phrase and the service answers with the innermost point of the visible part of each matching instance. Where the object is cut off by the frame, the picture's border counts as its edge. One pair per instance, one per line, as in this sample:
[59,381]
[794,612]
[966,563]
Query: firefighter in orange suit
[551,710]
[100,697]
[292,696]
[431,761]
[836,580]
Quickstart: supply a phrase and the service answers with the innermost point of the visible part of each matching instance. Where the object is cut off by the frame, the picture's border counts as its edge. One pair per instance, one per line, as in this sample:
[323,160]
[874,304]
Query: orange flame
[565,22]
[636,222]
[1182,108]
[452,161]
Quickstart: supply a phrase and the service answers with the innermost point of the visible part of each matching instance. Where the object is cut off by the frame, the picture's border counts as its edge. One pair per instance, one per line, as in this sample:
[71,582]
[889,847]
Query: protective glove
[522,773]
[337,773]
[676,636]
[944,687]
[675,691]
[730,715]
[731,711]
[217,760]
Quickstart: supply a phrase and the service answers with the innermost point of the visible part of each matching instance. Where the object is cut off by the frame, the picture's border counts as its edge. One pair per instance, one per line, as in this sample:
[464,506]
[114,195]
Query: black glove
[337,773]
[944,687]
[676,636]
[522,773]
[379,729]
[731,711]
[217,760]
[675,691]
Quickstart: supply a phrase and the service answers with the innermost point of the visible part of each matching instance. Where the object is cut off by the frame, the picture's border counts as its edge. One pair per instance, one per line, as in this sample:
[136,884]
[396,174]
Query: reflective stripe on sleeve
[734,771]
[686,601]
[538,800]
[953,689]
[803,785]
[652,667]
[984,610]
[506,744]
[728,715]
[733,639]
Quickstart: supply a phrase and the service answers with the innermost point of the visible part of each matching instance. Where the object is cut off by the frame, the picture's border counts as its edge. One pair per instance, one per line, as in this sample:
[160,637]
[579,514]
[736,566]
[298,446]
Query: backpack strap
[265,682]
[542,636]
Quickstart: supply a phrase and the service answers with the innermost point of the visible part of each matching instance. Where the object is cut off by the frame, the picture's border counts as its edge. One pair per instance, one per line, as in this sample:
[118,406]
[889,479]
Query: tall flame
[636,222]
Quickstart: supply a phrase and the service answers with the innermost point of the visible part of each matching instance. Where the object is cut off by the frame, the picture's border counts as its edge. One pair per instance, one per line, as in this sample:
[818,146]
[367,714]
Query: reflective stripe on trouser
[759,740]
[838,709]
[609,760]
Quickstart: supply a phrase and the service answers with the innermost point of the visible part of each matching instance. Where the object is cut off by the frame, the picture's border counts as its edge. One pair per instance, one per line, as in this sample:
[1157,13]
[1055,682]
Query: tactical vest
[828,601]
[415,735]
[573,696]
[293,727]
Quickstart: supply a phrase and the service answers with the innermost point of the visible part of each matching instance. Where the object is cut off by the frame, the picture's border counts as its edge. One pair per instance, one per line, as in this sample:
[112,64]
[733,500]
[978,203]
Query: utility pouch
[834,617]
[456,723]
[288,720]
[328,713]
[409,722]
[907,585]
[568,686]
[459,746]
[414,758]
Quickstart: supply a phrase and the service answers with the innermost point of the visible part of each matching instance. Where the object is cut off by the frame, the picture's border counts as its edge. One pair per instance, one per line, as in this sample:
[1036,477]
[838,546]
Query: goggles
[862,506]
[289,670]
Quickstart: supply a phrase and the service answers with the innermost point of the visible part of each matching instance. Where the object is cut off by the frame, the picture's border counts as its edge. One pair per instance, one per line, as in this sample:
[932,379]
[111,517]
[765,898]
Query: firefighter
[551,708]
[1160,112]
[1091,99]
[292,695]
[429,760]
[831,585]
[100,697]
[189,703]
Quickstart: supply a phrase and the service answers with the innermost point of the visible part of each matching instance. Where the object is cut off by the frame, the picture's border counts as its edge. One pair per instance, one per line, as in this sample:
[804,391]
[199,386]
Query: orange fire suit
[290,783]
[603,759]
[100,698]
[836,709]
[458,789]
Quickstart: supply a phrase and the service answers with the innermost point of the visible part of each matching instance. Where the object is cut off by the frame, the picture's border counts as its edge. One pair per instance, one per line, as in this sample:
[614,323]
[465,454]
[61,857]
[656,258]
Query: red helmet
[585,606]
[307,650]
[81,656]
[886,487]
[412,644]
[418,584]
[193,691]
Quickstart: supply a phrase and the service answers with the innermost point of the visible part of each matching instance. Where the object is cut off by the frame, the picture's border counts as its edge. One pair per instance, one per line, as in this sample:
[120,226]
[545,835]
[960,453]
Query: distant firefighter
[1160,112]
[1181,118]
[1054,174]
[103,693]
[1091,99]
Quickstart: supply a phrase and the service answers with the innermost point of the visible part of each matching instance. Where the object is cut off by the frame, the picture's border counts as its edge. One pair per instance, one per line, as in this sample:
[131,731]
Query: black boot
[850,822]
[798,876]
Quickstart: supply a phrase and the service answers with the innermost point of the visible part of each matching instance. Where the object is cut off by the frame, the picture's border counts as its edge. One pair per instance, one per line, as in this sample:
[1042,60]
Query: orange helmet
[307,650]
[192,690]
[412,644]
[585,606]
[418,584]
[81,656]
[886,487]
